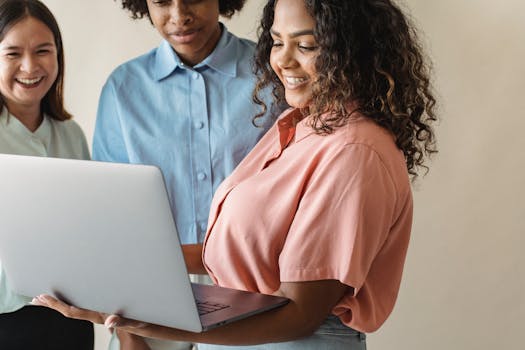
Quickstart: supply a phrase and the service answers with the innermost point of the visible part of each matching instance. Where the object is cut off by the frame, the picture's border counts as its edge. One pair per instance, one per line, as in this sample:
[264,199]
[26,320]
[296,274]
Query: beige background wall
[464,285]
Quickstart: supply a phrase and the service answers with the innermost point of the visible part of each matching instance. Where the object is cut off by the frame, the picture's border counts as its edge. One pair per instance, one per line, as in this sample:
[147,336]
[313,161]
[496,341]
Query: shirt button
[195,75]
[199,125]
[201,176]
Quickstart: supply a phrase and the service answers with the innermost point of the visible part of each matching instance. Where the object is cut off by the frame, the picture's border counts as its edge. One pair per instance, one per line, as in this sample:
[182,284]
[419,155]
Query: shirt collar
[166,61]
[302,130]
[11,122]
[287,129]
[222,58]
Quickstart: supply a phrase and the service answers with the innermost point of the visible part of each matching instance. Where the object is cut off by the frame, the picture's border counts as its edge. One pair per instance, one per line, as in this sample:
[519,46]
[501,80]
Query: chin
[298,101]
[298,104]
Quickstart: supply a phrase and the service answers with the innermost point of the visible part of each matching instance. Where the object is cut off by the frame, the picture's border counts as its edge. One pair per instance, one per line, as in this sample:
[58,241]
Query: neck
[30,116]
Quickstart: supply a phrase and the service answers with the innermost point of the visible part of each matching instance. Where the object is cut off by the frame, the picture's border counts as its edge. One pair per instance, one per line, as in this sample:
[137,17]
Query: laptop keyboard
[206,307]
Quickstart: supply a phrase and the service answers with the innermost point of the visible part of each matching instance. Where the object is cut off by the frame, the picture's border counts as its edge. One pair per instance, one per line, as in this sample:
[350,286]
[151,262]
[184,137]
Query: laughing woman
[320,211]
[33,122]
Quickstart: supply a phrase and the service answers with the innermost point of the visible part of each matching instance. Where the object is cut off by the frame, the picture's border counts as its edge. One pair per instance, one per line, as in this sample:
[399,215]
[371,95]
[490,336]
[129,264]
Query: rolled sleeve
[333,234]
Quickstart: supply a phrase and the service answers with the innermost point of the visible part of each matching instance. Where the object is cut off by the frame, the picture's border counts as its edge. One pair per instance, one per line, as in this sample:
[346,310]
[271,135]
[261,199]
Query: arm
[193,258]
[108,139]
[310,303]
[130,341]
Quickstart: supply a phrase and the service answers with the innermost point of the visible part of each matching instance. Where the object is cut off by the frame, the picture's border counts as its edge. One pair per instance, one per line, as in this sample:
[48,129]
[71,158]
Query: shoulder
[136,67]
[243,43]
[362,130]
[358,131]
[70,138]
[243,49]
[377,142]
[246,45]
[364,146]
[67,127]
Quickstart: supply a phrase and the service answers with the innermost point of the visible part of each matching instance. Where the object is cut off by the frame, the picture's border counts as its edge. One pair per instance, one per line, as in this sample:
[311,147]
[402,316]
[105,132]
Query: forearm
[193,258]
[310,303]
[130,341]
[284,324]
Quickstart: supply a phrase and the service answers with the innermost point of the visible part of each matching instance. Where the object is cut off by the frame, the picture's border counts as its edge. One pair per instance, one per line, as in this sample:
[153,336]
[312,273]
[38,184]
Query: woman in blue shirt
[185,107]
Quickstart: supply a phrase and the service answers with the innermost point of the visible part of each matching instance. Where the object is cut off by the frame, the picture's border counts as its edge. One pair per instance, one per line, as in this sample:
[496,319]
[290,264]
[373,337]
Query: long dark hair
[139,8]
[369,54]
[13,11]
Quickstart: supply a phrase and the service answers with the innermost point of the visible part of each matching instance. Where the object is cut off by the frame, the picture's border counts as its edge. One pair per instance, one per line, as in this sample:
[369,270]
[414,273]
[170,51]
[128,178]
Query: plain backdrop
[464,282]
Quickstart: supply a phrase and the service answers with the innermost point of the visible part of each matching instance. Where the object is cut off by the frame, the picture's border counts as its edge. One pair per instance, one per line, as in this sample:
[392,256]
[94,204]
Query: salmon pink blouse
[305,207]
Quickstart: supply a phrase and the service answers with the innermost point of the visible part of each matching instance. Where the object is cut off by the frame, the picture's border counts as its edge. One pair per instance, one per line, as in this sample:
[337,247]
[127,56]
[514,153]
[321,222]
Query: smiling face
[190,26]
[28,65]
[294,51]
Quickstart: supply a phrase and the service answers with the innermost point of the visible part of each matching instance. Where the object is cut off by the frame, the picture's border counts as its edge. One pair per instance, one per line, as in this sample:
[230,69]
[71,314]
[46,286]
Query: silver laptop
[101,236]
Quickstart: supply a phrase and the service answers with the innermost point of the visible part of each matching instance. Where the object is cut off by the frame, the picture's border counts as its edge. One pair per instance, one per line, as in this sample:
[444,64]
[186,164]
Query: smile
[29,81]
[295,81]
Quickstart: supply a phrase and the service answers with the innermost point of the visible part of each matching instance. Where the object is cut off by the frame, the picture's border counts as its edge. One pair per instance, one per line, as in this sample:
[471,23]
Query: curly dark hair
[368,54]
[139,8]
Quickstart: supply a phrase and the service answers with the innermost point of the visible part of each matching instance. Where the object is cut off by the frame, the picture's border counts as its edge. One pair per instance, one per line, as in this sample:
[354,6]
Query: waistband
[333,326]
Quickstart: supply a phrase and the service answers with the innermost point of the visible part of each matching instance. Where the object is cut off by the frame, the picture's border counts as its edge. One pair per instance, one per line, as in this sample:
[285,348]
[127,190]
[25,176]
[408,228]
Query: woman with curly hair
[320,211]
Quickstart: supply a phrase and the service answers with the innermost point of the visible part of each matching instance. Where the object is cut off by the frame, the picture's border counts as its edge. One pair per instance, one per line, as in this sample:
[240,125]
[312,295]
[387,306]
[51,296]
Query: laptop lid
[101,236]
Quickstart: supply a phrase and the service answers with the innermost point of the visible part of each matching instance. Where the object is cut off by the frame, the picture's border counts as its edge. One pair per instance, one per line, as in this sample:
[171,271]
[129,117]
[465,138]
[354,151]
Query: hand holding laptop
[110,321]
[71,311]
[107,242]
[127,339]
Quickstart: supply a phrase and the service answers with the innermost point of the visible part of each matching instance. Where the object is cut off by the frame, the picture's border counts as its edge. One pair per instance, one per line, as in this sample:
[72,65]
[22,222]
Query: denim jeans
[331,335]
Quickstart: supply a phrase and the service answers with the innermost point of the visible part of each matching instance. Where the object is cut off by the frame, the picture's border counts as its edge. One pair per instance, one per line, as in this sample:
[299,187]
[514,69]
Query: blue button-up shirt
[194,123]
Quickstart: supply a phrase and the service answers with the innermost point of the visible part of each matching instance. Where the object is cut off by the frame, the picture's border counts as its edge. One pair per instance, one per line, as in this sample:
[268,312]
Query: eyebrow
[294,34]
[14,47]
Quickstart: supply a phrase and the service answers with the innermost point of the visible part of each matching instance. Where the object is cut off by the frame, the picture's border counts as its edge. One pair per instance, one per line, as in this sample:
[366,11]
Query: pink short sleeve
[344,218]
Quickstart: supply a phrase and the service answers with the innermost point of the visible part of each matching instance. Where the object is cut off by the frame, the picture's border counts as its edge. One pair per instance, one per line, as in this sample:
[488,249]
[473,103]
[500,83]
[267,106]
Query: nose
[180,13]
[28,63]
[285,57]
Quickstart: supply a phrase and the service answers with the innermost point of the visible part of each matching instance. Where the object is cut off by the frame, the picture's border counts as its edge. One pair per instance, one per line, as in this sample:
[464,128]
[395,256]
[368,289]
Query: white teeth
[294,80]
[29,81]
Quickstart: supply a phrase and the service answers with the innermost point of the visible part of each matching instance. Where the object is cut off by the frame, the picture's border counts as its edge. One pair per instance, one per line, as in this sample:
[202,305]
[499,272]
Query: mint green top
[53,138]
